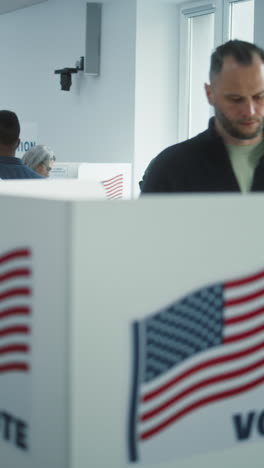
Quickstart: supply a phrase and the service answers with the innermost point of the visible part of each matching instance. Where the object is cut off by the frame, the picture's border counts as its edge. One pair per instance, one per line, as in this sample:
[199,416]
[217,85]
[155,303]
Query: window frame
[188,11]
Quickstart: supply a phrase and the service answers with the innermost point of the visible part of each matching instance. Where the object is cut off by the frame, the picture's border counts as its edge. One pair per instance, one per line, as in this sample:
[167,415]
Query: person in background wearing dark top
[229,155]
[40,158]
[10,166]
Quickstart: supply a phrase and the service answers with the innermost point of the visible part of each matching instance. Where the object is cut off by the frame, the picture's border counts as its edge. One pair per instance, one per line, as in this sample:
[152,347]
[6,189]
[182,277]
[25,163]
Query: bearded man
[229,155]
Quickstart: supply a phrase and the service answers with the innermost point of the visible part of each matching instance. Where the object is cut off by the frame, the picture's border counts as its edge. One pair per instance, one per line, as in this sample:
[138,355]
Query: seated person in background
[39,158]
[10,166]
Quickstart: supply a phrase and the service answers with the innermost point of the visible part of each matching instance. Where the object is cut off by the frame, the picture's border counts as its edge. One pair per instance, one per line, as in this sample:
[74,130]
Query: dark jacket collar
[10,160]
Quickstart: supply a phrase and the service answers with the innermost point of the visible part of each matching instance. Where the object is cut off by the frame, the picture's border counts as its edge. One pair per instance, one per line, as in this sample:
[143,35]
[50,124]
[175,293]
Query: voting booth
[131,332]
[115,178]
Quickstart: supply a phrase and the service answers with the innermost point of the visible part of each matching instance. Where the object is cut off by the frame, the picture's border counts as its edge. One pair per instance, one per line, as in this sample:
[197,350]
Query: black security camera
[65,77]
[66,73]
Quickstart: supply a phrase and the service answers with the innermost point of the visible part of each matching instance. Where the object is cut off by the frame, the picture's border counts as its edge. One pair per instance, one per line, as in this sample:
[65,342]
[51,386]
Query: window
[201,45]
[238,20]
[241,20]
[198,38]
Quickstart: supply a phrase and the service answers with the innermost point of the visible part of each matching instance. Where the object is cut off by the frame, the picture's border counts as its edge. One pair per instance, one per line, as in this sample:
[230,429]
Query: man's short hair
[243,52]
[39,154]
[9,128]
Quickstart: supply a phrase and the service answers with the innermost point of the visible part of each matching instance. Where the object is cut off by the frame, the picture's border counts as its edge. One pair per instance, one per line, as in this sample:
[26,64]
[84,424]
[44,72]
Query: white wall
[94,121]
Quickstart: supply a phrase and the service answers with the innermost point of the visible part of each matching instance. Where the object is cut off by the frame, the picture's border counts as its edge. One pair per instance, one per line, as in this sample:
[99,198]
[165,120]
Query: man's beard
[233,131]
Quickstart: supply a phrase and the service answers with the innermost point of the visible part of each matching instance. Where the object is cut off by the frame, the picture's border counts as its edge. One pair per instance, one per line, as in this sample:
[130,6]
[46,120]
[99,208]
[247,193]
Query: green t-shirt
[244,160]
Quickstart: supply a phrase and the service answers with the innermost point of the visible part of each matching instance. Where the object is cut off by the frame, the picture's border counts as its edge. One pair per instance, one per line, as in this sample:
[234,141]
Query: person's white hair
[37,155]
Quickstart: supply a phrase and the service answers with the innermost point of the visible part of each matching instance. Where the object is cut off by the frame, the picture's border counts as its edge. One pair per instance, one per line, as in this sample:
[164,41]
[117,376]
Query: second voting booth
[131,332]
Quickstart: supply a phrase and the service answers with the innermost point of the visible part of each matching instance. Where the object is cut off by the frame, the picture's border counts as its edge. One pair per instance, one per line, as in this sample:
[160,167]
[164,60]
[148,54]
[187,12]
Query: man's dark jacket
[13,168]
[200,164]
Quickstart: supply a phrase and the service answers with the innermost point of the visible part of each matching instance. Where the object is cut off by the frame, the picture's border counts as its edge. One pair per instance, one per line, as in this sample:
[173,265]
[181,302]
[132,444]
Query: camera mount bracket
[66,73]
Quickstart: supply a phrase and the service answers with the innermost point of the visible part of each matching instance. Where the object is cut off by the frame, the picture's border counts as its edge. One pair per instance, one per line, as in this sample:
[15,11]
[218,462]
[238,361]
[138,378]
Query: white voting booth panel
[63,189]
[115,178]
[94,373]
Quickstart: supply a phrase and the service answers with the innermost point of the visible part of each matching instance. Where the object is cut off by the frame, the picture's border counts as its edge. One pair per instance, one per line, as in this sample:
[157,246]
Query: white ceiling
[10,5]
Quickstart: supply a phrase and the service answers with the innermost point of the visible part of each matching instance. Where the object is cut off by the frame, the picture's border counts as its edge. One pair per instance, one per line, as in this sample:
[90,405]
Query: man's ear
[18,143]
[209,93]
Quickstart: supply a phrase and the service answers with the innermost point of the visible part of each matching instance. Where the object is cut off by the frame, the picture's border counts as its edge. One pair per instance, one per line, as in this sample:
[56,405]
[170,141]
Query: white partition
[115,177]
[69,189]
[98,301]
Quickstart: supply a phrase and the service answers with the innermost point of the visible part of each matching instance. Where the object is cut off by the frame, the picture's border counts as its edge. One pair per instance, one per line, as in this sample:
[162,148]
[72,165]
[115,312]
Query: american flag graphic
[15,310]
[205,348]
[114,187]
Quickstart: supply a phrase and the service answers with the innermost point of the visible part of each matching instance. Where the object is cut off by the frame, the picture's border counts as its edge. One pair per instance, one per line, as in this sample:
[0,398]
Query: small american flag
[198,351]
[15,310]
[114,187]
